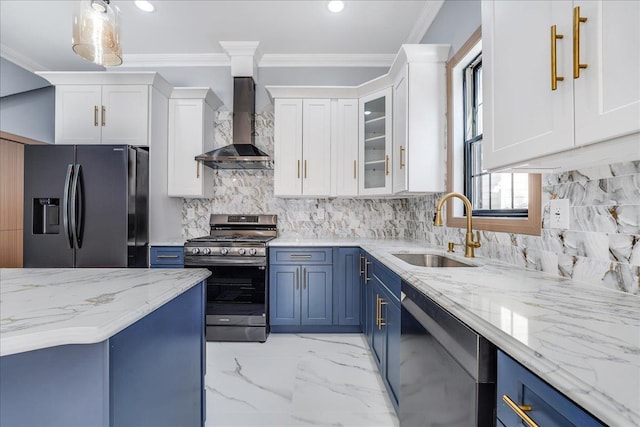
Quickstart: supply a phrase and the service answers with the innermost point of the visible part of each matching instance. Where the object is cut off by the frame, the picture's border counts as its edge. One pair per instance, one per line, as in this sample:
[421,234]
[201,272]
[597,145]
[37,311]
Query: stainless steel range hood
[242,153]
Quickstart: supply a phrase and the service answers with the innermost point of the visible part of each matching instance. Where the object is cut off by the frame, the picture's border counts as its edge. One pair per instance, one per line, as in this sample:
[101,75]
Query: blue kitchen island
[102,347]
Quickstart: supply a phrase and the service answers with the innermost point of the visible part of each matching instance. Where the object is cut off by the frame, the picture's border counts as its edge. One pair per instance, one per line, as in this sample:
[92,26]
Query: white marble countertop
[583,340]
[177,241]
[42,308]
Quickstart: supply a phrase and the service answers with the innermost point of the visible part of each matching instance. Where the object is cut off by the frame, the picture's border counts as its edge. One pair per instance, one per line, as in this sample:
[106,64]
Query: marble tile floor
[296,380]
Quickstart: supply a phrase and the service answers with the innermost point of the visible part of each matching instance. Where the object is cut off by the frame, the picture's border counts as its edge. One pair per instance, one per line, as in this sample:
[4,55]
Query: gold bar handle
[520,410]
[305,169]
[366,271]
[304,278]
[360,267]
[197,168]
[402,165]
[297,279]
[167,256]
[554,63]
[386,164]
[298,169]
[381,321]
[577,19]
[300,256]
[378,311]
[95,115]
[355,169]
[104,116]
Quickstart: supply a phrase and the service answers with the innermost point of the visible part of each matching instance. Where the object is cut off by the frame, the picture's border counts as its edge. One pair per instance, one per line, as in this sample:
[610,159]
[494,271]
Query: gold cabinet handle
[197,168]
[95,115]
[386,164]
[378,311]
[294,256]
[360,266]
[167,256]
[104,116]
[304,278]
[401,157]
[305,169]
[520,410]
[297,279]
[577,19]
[554,64]
[381,321]
[298,169]
[355,170]
[366,271]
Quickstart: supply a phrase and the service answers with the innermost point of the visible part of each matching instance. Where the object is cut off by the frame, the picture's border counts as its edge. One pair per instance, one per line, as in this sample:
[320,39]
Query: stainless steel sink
[431,260]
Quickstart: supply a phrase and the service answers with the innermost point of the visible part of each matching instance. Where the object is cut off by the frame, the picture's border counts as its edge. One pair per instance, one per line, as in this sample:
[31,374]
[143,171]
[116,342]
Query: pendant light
[96,32]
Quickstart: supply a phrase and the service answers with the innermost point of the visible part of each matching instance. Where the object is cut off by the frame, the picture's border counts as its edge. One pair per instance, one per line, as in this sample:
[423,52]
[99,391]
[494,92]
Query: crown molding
[327,60]
[176,60]
[426,18]
[267,60]
[20,60]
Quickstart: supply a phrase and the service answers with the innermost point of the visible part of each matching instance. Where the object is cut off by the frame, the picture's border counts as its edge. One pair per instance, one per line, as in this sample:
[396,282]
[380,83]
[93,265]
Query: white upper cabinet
[419,105]
[103,107]
[302,150]
[191,120]
[534,107]
[346,147]
[607,93]
[375,143]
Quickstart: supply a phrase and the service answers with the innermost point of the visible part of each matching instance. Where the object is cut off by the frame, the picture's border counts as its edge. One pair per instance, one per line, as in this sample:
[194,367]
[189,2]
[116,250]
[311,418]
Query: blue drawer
[390,279]
[549,407]
[166,257]
[301,256]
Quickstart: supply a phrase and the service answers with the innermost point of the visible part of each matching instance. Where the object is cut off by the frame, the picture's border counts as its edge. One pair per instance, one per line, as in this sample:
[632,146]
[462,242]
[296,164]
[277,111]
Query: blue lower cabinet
[300,295]
[346,287]
[549,408]
[166,257]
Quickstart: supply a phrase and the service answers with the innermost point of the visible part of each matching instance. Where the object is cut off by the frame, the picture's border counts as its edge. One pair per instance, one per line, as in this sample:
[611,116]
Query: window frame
[532,224]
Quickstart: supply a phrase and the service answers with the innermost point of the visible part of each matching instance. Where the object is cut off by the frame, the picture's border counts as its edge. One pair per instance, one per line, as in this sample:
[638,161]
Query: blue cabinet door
[317,294]
[378,331]
[284,295]
[391,317]
[346,286]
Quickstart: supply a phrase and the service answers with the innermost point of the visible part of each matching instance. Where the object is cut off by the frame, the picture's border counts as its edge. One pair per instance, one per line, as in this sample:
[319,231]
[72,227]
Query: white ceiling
[37,34]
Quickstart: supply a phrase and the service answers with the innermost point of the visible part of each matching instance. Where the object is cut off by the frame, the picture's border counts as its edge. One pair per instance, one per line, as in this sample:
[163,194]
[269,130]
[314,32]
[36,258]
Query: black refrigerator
[85,206]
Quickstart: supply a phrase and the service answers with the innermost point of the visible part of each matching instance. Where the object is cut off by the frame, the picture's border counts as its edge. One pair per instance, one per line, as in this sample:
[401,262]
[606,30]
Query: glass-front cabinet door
[375,143]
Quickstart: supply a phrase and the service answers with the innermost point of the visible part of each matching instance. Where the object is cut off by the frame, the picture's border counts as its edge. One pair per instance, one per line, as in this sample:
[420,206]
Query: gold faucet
[469,244]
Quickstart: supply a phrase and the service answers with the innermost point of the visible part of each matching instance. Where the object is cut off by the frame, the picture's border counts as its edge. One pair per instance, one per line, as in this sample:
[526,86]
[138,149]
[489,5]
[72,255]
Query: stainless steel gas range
[236,253]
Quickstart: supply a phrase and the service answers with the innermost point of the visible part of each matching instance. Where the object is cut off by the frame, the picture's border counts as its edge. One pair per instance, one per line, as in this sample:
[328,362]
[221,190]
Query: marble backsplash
[601,246]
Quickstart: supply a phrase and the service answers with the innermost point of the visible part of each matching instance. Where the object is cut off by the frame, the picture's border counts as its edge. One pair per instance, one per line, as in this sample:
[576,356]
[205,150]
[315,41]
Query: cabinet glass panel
[374,143]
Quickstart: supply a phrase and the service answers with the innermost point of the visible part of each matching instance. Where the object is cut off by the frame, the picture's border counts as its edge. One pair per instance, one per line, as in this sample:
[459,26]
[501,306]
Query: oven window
[237,290]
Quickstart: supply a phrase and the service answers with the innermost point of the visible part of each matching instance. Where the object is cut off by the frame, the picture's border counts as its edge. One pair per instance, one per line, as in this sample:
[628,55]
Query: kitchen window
[501,201]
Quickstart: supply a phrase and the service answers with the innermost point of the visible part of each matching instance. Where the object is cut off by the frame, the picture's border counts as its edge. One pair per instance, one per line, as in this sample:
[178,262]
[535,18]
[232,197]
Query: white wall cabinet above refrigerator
[562,101]
[105,107]
[302,147]
[191,121]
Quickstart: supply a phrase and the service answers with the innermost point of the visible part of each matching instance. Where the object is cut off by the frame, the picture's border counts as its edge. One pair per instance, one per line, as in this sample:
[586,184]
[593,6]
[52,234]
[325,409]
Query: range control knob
[252,251]
[206,251]
[224,251]
[241,251]
[195,251]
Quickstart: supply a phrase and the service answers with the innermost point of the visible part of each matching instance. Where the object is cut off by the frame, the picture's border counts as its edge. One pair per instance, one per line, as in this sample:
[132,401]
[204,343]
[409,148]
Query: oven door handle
[198,261]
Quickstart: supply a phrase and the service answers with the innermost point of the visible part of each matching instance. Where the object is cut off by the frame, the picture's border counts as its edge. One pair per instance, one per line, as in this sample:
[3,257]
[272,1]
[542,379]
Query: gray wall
[15,79]
[454,24]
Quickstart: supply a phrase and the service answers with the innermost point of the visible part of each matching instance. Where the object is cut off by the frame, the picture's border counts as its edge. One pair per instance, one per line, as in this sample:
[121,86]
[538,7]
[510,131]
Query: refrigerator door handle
[76,207]
[65,206]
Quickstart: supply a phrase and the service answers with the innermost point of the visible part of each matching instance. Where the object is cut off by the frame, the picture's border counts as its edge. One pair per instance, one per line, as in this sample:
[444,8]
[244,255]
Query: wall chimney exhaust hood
[242,153]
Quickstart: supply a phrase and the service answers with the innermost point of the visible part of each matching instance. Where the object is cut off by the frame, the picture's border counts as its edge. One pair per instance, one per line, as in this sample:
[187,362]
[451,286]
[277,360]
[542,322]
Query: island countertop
[582,339]
[41,308]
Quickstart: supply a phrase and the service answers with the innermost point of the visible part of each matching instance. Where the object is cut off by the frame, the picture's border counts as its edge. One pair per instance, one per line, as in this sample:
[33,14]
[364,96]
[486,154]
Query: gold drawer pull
[554,63]
[168,256]
[577,19]
[520,410]
[301,256]
[361,268]
[367,263]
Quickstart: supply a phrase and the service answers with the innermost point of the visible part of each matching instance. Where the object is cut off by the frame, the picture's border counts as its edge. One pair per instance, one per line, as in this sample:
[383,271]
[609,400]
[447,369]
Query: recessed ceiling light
[335,6]
[145,5]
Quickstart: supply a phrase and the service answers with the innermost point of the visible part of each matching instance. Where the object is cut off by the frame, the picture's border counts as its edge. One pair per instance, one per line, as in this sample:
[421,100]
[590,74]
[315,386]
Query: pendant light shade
[96,32]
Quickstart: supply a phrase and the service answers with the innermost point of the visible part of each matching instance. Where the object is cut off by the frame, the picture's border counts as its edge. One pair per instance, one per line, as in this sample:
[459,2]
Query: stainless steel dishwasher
[447,370]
